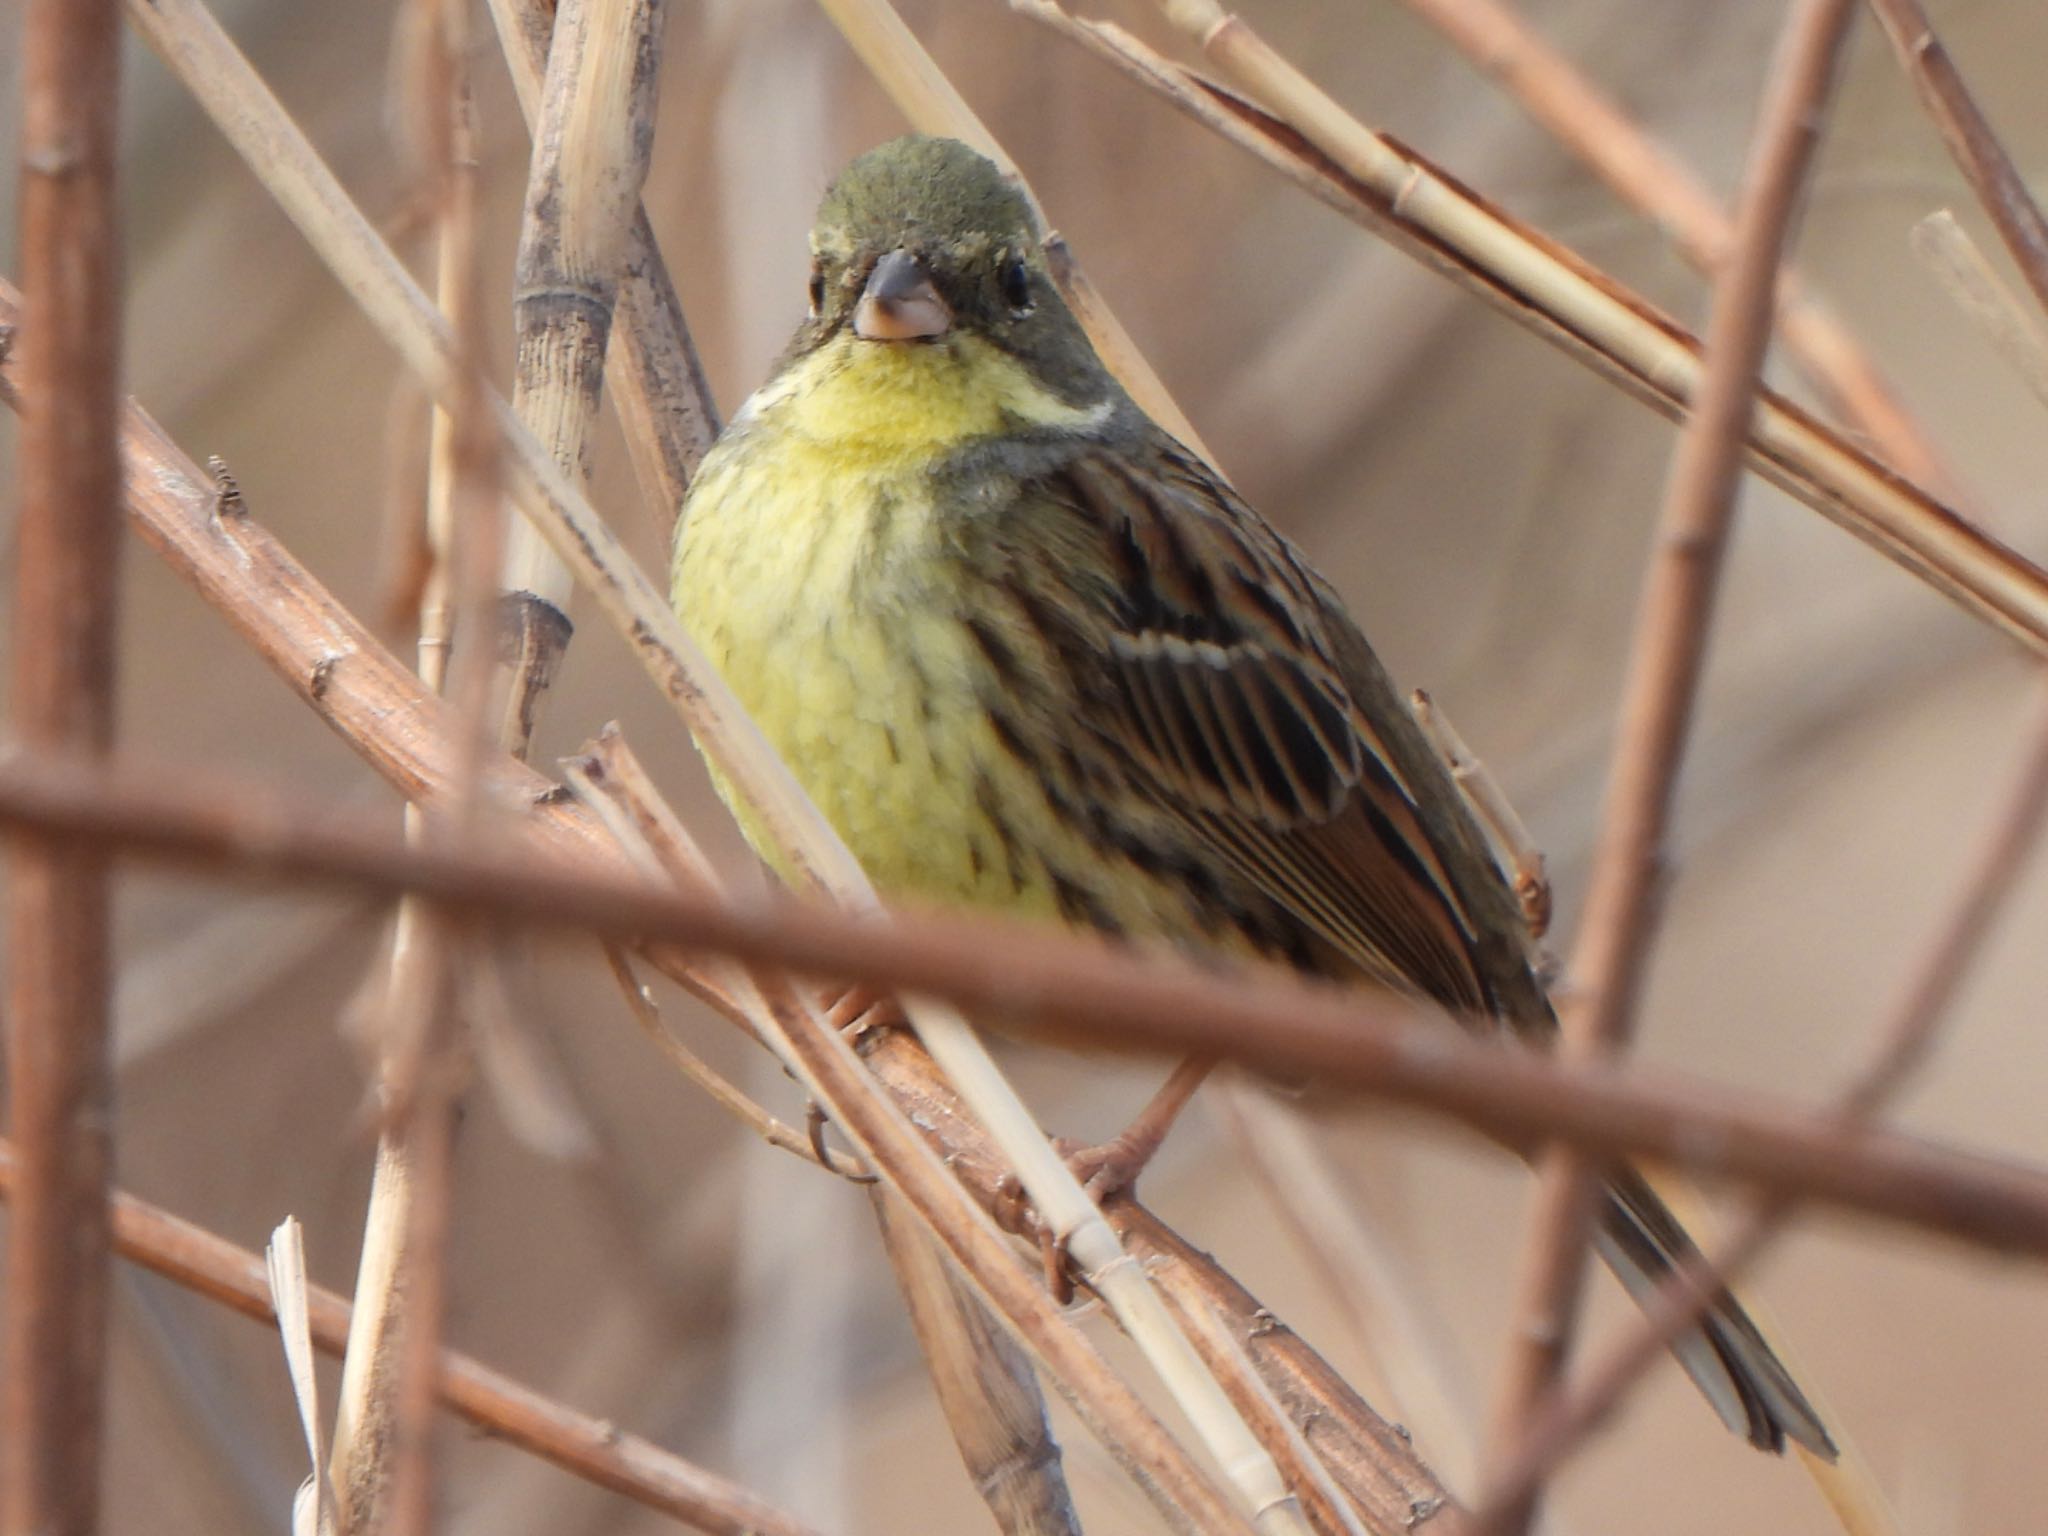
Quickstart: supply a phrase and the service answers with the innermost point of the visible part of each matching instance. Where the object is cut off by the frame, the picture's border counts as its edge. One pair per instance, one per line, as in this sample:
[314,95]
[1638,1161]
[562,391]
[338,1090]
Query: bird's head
[923,245]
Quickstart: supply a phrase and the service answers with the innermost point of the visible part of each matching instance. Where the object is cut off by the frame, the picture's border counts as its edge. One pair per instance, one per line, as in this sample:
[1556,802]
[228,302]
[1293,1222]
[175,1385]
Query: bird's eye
[817,289]
[1016,280]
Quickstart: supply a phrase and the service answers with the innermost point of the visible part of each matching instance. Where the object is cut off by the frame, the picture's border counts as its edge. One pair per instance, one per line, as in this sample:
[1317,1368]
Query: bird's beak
[900,303]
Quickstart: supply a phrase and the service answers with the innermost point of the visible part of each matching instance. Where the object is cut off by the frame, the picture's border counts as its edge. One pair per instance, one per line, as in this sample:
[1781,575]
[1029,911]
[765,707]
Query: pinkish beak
[900,303]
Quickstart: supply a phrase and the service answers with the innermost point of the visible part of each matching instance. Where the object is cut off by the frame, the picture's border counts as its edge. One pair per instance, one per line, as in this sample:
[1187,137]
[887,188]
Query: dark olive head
[923,242]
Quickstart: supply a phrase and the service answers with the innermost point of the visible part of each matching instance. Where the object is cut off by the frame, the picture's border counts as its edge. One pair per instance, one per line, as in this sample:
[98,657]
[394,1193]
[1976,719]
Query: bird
[1028,653]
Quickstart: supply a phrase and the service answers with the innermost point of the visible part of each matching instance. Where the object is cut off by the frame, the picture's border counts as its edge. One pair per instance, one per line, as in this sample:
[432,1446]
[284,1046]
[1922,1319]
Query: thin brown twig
[1505,47]
[66,608]
[2005,847]
[582,1445]
[541,875]
[1425,212]
[1675,616]
[700,1072]
[1970,138]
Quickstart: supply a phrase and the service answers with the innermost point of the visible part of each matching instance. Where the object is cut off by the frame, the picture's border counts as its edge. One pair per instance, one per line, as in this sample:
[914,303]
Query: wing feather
[1221,700]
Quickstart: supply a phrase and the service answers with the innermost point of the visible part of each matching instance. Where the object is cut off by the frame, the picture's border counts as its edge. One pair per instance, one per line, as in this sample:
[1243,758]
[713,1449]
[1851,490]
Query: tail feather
[1727,1356]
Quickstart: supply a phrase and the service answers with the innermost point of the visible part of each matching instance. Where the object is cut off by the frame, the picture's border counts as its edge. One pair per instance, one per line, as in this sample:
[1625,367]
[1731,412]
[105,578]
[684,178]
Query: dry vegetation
[422,1044]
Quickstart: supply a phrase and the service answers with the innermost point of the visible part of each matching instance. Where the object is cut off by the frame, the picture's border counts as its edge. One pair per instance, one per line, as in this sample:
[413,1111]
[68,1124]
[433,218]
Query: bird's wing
[1217,662]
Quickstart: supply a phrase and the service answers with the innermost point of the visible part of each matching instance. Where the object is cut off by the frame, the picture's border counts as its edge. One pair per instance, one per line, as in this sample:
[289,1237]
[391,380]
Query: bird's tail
[1726,1356]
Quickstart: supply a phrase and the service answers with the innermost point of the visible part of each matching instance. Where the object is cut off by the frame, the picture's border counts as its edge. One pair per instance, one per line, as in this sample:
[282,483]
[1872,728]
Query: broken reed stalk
[1667,657]
[590,150]
[984,1383]
[57,905]
[1400,196]
[593,1449]
[653,377]
[221,80]
[1507,49]
[1905,1042]
[1970,138]
[1399,1331]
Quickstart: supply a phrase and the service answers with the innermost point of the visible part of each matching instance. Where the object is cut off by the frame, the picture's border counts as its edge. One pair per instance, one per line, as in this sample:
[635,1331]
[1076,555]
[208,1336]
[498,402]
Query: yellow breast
[821,578]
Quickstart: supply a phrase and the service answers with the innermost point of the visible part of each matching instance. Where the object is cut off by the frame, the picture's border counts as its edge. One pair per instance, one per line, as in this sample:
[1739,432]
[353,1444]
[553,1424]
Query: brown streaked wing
[1226,708]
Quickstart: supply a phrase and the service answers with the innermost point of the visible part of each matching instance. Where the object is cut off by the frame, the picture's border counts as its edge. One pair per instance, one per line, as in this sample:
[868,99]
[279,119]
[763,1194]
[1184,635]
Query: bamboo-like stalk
[221,80]
[590,150]
[1506,48]
[582,1445]
[1425,212]
[1667,658]
[1970,138]
[57,906]
[984,1385]
[654,379]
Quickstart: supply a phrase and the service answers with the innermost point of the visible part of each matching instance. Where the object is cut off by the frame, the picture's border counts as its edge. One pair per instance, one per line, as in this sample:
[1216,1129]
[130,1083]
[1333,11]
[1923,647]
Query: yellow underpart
[818,573]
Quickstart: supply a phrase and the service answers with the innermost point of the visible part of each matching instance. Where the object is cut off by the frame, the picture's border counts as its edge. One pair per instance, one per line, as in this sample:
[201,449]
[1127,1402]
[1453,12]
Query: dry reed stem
[931,104]
[1667,656]
[656,841]
[389,1483]
[582,1445]
[1423,211]
[2016,333]
[364,1435]
[1507,49]
[655,382]
[1970,138]
[1905,1042]
[66,608]
[590,151]
[984,1383]
[1064,988]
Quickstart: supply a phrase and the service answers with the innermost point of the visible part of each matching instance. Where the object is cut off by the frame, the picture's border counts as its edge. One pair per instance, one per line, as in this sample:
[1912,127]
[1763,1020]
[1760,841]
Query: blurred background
[1483,502]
